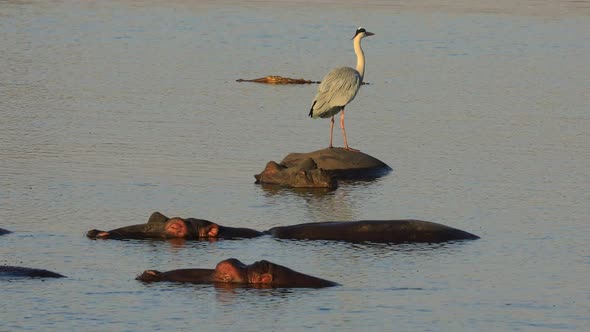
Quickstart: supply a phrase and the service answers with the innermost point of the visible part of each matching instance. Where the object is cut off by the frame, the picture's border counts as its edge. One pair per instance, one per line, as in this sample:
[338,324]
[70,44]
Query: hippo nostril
[149,276]
[93,233]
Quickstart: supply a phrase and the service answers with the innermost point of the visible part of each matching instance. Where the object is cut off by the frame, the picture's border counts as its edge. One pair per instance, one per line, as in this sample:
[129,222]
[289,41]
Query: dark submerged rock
[4,231]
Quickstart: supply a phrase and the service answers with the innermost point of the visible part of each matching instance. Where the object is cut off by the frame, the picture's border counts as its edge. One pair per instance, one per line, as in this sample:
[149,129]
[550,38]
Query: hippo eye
[262,266]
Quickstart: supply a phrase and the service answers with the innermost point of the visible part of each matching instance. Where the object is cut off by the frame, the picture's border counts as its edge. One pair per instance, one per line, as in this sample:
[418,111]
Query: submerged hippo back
[19,271]
[394,231]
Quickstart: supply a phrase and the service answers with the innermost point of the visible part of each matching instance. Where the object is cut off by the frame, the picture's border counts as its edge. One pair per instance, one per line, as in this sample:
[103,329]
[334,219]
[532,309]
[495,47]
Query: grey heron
[339,87]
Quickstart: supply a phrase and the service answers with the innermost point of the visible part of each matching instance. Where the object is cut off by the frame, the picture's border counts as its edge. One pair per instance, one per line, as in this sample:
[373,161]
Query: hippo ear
[149,276]
[266,278]
[157,217]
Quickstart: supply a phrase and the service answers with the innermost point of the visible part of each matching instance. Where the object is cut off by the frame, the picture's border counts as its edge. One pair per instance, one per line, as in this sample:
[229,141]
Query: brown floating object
[273,79]
[278,80]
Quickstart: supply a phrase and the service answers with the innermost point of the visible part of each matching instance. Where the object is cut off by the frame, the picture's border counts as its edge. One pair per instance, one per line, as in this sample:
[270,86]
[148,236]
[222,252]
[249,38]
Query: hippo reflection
[161,227]
[385,231]
[232,271]
[18,271]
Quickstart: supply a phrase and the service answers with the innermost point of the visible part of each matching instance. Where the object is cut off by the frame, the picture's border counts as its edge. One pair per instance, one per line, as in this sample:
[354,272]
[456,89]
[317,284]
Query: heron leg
[331,130]
[344,133]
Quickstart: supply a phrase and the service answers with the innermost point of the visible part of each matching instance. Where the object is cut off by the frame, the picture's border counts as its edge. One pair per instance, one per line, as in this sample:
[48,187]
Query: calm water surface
[112,110]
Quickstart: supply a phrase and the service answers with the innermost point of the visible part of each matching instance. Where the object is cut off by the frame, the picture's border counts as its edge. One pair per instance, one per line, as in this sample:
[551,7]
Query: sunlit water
[112,110]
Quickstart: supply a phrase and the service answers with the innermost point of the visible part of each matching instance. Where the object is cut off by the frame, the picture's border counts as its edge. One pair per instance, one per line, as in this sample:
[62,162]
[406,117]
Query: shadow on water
[172,245]
[361,183]
[341,204]
[376,250]
[226,292]
[276,190]
[355,181]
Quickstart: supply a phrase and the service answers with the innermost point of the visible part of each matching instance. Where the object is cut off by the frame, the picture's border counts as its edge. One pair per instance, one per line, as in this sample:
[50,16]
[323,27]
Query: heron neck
[360,57]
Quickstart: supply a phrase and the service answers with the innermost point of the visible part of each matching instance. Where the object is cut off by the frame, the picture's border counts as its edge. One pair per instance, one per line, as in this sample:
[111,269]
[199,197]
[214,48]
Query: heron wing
[337,89]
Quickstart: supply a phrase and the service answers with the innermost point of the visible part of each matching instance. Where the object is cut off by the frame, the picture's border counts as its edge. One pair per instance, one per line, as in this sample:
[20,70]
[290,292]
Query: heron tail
[311,110]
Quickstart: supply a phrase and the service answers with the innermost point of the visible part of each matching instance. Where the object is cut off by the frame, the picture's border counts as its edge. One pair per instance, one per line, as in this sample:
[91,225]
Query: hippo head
[173,228]
[200,228]
[262,274]
[266,274]
[305,174]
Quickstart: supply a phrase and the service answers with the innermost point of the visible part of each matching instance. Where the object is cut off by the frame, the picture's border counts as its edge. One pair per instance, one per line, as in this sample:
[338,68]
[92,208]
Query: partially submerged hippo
[278,80]
[389,231]
[161,227]
[302,175]
[232,271]
[321,168]
[394,231]
[4,231]
[18,271]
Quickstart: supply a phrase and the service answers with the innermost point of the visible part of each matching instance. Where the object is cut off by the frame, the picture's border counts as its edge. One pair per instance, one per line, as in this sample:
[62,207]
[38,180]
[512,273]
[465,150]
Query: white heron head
[362,33]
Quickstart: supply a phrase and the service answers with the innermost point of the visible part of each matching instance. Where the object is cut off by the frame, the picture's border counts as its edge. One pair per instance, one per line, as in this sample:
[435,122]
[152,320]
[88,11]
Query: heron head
[362,33]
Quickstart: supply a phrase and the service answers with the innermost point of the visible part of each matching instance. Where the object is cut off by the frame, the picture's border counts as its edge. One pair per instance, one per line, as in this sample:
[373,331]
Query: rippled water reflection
[113,110]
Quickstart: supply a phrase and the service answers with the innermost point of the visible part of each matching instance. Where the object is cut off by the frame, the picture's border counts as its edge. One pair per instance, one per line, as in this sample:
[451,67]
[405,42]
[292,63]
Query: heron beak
[367,34]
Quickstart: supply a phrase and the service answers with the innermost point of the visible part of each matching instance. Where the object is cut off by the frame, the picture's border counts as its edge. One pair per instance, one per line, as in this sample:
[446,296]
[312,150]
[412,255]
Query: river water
[111,110]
